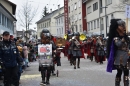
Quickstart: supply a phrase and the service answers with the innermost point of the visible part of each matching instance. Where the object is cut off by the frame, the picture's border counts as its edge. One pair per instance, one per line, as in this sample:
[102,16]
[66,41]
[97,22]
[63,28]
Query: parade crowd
[15,54]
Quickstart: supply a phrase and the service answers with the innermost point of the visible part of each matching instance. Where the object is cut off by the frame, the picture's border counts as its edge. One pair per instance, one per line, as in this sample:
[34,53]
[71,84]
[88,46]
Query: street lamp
[105,17]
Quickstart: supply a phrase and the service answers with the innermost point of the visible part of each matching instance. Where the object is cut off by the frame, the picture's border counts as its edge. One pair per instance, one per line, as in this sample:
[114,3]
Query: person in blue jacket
[10,57]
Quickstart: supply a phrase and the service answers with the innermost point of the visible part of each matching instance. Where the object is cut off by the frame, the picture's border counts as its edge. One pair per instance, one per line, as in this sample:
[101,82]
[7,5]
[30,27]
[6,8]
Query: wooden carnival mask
[45,38]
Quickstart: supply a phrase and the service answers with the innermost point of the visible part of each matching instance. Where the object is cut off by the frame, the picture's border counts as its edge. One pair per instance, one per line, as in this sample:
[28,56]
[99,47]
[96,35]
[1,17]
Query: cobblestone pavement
[90,74]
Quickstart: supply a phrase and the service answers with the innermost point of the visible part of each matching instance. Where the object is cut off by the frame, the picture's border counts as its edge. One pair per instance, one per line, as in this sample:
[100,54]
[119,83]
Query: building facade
[60,25]
[75,15]
[7,19]
[99,13]
[49,22]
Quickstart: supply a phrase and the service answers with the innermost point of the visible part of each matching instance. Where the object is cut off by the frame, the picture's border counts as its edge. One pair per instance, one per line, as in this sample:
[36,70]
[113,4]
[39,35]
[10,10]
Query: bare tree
[121,6]
[26,15]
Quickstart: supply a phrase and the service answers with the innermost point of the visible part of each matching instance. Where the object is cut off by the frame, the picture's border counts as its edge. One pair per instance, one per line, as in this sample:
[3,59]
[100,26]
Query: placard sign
[127,11]
[45,54]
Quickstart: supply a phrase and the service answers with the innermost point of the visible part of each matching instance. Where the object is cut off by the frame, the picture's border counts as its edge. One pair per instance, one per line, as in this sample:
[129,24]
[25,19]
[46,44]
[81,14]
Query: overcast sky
[40,4]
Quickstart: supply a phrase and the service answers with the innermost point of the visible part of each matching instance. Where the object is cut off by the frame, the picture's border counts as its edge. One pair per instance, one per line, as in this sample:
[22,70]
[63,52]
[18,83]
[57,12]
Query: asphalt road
[89,74]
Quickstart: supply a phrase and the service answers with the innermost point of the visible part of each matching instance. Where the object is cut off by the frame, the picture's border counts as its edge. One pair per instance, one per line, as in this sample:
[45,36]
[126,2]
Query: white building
[60,25]
[95,18]
[49,22]
[7,17]
[75,15]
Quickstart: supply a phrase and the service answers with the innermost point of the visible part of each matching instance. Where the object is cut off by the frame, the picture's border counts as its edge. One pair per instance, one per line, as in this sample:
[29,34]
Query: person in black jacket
[45,39]
[10,57]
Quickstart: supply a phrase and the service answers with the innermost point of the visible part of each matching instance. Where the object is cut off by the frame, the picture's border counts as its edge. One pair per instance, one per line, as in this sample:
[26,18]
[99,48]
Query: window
[89,10]
[41,25]
[76,28]
[75,6]
[88,26]
[79,3]
[57,31]
[69,9]
[101,9]
[108,2]
[80,26]
[102,24]
[91,25]
[0,18]
[94,24]
[45,24]
[76,17]
[107,20]
[62,30]
[9,23]
[79,16]
[59,20]
[72,8]
[95,6]
[97,23]
[6,21]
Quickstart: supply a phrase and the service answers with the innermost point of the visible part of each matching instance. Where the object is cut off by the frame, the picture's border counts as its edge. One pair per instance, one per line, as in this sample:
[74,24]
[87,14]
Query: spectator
[10,58]
[25,52]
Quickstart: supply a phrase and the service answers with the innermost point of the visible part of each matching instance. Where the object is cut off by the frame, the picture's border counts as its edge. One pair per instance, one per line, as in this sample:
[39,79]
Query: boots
[74,64]
[43,77]
[126,81]
[117,81]
[78,64]
[47,79]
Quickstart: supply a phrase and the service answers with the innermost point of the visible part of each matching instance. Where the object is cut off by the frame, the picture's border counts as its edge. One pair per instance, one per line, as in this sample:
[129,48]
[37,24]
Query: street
[90,74]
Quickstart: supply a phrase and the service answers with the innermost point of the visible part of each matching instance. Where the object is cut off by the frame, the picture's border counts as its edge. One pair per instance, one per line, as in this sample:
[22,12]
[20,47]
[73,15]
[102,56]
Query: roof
[59,15]
[8,12]
[13,6]
[47,17]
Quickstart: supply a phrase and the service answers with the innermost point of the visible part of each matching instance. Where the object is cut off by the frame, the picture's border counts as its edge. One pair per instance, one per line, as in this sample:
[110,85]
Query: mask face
[45,38]
[121,26]
[121,23]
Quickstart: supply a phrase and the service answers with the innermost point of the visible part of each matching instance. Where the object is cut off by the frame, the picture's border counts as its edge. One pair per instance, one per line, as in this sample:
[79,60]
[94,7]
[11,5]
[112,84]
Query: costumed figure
[56,55]
[91,49]
[100,49]
[70,48]
[77,49]
[118,51]
[85,45]
[95,49]
[88,47]
[45,65]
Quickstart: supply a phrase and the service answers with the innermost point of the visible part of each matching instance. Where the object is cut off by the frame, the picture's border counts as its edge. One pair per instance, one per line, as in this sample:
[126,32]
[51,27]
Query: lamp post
[105,17]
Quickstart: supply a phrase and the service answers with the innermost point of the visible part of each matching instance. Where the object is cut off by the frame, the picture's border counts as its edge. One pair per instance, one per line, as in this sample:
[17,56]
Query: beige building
[7,17]
[49,22]
[75,15]
[60,25]
[96,21]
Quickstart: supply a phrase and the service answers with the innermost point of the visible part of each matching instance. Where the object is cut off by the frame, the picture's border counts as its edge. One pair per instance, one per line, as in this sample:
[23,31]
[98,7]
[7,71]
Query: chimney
[58,6]
[50,10]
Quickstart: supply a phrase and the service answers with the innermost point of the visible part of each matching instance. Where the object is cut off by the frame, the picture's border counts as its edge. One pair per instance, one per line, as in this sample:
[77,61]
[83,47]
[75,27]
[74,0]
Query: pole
[127,25]
[106,20]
